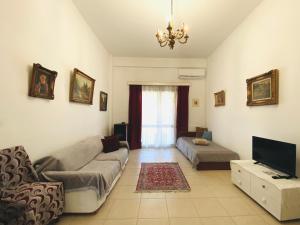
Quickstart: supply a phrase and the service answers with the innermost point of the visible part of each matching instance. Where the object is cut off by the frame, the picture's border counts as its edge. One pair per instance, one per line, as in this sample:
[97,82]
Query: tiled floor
[213,200]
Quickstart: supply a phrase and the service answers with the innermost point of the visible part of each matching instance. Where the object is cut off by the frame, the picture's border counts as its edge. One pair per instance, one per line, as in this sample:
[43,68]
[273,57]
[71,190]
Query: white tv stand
[280,197]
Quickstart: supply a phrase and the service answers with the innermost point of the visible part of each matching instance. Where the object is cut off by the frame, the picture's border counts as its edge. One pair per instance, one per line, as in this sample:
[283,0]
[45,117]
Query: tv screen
[276,154]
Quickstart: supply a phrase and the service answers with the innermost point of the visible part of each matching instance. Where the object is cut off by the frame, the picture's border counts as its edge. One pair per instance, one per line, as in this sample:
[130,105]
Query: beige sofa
[88,174]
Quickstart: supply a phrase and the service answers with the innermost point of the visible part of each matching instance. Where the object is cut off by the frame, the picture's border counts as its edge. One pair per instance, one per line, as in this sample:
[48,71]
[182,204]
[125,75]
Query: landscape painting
[263,89]
[82,88]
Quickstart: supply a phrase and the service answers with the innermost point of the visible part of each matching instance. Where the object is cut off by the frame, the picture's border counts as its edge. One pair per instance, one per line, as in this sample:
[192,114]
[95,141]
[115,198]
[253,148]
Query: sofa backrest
[15,167]
[74,157]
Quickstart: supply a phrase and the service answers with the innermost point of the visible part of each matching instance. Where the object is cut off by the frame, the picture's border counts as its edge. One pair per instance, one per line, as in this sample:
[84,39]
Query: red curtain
[135,116]
[182,119]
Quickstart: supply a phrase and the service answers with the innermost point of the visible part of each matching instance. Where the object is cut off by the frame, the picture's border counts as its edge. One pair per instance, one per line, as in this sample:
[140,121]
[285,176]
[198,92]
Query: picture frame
[42,82]
[220,98]
[103,101]
[195,102]
[263,89]
[82,88]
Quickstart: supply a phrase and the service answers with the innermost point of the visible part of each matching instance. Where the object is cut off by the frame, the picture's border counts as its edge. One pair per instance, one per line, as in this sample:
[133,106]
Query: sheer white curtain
[159,116]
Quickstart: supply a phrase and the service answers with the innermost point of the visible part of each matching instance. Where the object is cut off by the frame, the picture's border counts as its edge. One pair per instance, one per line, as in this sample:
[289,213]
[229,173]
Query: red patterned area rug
[161,177]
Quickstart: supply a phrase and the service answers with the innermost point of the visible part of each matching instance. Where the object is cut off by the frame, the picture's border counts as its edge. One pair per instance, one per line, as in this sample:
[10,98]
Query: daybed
[88,174]
[210,157]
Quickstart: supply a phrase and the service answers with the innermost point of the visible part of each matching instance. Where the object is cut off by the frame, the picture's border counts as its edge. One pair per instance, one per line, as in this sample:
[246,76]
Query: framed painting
[42,82]
[82,88]
[263,89]
[103,101]
[195,102]
[220,98]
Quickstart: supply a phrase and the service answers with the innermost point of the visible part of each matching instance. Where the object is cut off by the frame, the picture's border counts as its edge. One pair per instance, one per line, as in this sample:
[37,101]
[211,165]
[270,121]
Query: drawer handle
[263,186]
[239,171]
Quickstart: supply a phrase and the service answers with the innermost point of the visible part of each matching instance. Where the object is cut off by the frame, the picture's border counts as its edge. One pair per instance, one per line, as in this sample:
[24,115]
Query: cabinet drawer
[267,195]
[241,178]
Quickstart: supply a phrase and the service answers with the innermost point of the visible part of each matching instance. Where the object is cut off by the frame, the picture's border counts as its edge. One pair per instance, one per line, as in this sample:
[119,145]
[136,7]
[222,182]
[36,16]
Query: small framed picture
[82,88]
[103,101]
[42,82]
[195,102]
[263,89]
[220,98]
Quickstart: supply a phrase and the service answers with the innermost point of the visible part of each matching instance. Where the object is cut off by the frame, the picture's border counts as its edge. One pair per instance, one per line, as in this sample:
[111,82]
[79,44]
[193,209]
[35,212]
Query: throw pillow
[200,131]
[200,141]
[207,135]
[110,144]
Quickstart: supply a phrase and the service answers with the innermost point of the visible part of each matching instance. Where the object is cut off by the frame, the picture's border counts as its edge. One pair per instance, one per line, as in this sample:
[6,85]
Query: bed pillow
[207,135]
[200,131]
[200,141]
[110,143]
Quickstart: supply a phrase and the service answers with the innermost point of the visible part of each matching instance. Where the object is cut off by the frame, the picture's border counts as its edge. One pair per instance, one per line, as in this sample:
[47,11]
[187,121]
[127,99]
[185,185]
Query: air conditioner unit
[191,74]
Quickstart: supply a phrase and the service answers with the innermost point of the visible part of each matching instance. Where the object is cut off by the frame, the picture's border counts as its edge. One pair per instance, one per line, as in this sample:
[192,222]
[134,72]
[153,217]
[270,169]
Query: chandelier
[170,36]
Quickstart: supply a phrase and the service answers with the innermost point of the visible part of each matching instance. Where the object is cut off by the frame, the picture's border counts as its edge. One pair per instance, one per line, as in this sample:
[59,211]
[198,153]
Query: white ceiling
[127,27]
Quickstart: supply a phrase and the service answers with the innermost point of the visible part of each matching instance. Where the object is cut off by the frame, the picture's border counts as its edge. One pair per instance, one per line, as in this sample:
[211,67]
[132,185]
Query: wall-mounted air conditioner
[191,74]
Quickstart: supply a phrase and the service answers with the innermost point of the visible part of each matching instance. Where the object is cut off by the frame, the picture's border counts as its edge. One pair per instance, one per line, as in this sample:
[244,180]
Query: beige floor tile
[154,195]
[80,219]
[125,192]
[227,190]
[181,208]
[102,213]
[179,194]
[153,208]
[217,221]
[121,222]
[271,220]
[209,207]
[202,191]
[153,222]
[128,181]
[237,207]
[131,171]
[185,221]
[124,209]
[249,220]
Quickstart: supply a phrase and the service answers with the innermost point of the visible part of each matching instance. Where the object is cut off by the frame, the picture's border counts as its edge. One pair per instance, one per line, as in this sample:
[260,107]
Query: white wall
[267,39]
[52,33]
[155,70]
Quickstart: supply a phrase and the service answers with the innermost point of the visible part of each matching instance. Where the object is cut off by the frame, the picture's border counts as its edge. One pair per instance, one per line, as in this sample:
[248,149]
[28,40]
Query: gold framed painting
[42,82]
[82,88]
[103,101]
[263,89]
[195,102]
[220,98]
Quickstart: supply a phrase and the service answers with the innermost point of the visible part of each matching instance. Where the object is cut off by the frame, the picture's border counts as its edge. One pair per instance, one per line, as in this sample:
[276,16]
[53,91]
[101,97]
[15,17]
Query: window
[158,116]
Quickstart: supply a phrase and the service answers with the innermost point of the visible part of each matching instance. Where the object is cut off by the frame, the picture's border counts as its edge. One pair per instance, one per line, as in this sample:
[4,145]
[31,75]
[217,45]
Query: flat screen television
[278,155]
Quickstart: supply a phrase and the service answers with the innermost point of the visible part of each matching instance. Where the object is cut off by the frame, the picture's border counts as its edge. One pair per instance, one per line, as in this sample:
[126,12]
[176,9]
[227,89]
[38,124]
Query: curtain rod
[146,83]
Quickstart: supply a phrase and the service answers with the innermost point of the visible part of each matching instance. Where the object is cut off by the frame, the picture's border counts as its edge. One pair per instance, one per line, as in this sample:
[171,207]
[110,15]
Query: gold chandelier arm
[186,37]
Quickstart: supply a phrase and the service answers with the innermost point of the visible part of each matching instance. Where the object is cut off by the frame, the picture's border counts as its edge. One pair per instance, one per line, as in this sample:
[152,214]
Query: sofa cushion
[120,155]
[81,153]
[110,143]
[108,169]
[207,135]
